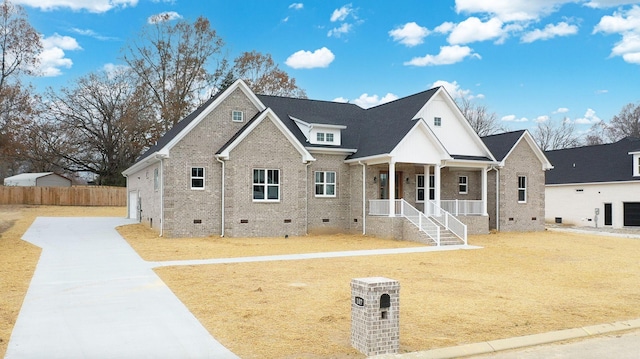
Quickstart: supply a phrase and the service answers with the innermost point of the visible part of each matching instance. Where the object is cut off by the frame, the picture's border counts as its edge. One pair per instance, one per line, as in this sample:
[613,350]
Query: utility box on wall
[375,315]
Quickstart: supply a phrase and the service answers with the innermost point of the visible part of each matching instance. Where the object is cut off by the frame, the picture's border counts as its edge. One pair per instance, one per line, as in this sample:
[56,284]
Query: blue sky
[527,61]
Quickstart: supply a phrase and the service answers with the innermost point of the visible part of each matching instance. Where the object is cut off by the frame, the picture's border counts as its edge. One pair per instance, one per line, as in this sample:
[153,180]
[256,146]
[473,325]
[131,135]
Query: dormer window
[325,138]
[237,116]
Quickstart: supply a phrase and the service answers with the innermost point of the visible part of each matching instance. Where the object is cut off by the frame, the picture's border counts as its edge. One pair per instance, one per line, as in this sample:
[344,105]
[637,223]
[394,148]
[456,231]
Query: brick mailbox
[375,315]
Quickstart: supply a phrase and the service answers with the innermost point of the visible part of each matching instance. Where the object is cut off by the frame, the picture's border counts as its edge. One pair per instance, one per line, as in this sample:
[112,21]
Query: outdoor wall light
[375,179]
[407,180]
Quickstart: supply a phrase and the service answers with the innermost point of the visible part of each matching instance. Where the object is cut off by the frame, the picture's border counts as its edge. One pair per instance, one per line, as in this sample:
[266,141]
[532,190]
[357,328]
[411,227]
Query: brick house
[254,165]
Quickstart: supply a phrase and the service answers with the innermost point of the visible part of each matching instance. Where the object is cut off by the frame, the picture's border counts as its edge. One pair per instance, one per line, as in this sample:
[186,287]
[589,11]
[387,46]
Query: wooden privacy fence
[64,196]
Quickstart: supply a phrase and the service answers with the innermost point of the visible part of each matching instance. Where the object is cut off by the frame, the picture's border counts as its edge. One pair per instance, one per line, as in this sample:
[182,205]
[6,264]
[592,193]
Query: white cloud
[52,57]
[309,60]
[95,6]
[411,34]
[473,29]
[608,3]
[163,16]
[296,6]
[366,101]
[550,31]
[543,118]
[589,118]
[513,118]
[341,13]
[91,33]
[600,92]
[339,31]
[627,24]
[453,88]
[511,10]
[341,99]
[445,27]
[561,110]
[448,55]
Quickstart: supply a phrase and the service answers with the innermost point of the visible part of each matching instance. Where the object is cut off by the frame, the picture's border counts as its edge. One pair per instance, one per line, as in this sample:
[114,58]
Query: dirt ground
[18,258]
[518,284]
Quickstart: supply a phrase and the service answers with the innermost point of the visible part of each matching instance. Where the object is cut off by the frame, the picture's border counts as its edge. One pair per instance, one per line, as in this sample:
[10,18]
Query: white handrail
[449,221]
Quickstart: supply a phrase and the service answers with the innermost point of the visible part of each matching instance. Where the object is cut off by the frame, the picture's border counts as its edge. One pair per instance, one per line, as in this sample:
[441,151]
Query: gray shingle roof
[502,143]
[600,163]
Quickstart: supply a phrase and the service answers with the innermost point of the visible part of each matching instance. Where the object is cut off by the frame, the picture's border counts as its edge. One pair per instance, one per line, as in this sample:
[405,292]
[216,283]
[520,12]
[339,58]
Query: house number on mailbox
[359,301]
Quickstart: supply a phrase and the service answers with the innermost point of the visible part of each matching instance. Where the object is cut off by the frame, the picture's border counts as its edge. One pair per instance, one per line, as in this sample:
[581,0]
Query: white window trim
[524,189]
[156,179]
[636,168]
[325,183]
[266,185]
[466,185]
[192,177]
[233,116]
[418,188]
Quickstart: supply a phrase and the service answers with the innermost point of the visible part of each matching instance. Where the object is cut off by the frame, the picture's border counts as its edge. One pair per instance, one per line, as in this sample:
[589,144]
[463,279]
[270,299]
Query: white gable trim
[452,104]
[546,165]
[267,114]
[223,96]
[421,124]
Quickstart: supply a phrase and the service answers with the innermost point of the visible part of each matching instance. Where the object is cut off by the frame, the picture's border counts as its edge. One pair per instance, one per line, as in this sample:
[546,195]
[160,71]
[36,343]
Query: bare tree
[19,49]
[264,76]
[103,124]
[481,120]
[556,135]
[19,43]
[171,61]
[624,124]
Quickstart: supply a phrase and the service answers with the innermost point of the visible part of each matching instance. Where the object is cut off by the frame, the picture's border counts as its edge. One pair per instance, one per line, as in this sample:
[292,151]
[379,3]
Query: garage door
[632,214]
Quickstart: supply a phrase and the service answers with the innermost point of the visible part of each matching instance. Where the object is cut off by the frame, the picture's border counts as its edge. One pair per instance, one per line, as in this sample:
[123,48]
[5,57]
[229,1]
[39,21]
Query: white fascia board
[331,151]
[324,125]
[634,153]
[146,162]
[372,160]
[591,183]
[470,164]
[463,120]
[239,84]
[268,113]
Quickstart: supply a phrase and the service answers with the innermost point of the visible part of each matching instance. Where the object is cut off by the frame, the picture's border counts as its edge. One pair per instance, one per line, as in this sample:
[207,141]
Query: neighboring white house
[42,179]
[595,186]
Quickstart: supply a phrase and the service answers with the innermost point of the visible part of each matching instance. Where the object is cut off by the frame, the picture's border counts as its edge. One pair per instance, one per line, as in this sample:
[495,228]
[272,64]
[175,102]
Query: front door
[384,185]
[608,220]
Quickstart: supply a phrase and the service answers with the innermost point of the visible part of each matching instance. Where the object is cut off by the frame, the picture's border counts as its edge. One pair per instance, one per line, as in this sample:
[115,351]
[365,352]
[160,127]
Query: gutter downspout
[306,202]
[364,199]
[222,198]
[161,175]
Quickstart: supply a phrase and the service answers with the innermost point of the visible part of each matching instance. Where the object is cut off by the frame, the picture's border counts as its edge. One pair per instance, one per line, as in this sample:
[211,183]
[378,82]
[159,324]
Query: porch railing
[424,220]
[461,207]
[447,220]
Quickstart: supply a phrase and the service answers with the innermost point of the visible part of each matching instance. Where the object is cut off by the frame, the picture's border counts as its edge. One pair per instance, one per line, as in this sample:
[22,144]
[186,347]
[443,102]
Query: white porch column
[484,192]
[392,188]
[427,171]
[436,183]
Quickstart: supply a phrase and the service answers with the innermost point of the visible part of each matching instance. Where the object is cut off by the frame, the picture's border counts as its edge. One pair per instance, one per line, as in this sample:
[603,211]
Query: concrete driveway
[92,296]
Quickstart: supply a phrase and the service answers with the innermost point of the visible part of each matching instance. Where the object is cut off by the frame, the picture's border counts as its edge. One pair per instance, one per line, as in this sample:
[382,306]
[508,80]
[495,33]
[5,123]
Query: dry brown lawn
[518,284]
[18,258]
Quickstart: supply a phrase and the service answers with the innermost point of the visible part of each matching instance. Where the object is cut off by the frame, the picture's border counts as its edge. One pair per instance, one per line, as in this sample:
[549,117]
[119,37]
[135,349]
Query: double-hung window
[197,177]
[463,184]
[156,179]
[522,189]
[266,185]
[325,184]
